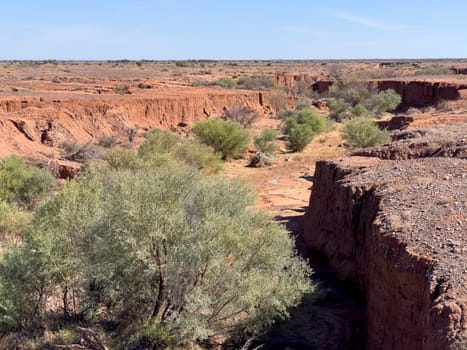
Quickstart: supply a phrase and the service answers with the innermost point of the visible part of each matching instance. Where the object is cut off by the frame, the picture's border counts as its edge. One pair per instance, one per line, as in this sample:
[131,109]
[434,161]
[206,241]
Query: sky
[232,29]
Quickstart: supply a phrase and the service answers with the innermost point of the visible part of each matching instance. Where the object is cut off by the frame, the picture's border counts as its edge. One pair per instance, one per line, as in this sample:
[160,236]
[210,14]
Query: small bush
[361,111]
[384,101]
[302,104]
[255,82]
[241,114]
[20,183]
[228,138]
[278,99]
[122,89]
[200,156]
[339,110]
[306,117]
[107,141]
[299,137]
[121,159]
[265,141]
[12,220]
[224,82]
[284,114]
[81,152]
[301,127]
[363,132]
[158,141]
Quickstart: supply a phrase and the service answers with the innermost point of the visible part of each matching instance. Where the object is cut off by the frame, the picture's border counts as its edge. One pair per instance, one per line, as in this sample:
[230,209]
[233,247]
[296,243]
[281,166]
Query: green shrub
[384,101]
[227,138]
[24,289]
[301,128]
[302,104]
[298,137]
[361,111]
[264,142]
[305,117]
[200,156]
[363,132]
[162,146]
[167,253]
[284,114]
[225,82]
[13,222]
[20,183]
[159,141]
[120,159]
[339,110]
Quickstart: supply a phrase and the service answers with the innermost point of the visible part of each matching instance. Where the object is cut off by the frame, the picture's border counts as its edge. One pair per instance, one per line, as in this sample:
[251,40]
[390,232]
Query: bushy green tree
[227,138]
[20,183]
[299,137]
[384,101]
[363,132]
[182,255]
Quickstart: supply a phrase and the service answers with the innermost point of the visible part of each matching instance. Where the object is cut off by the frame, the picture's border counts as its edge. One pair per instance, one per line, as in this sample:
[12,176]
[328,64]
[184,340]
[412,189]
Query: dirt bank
[37,125]
[396,229]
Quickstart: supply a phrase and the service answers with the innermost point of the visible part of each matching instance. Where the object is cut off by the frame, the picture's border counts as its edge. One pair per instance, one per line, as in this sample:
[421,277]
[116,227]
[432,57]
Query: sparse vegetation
[350,98]
[107,141]
[224,82]
[264,142]
[255,82]
[363,132]
[227,138]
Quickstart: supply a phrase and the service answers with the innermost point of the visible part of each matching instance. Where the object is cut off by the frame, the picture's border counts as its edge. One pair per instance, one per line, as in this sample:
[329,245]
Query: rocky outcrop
[421,93]
[290,81]
[413,93]
[460,70]
[441,141]
[397,230]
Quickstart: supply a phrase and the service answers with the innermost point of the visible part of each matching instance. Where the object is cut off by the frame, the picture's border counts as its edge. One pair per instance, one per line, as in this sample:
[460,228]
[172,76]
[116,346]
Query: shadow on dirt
[332,318]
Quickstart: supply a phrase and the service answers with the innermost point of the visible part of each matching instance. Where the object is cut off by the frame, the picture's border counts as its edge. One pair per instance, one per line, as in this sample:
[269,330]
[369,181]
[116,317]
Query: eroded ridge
[397,229]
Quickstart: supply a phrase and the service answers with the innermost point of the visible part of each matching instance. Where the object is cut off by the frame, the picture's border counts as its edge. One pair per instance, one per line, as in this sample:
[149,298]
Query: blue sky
[232,29]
